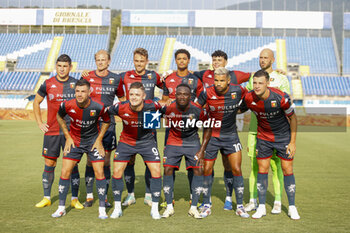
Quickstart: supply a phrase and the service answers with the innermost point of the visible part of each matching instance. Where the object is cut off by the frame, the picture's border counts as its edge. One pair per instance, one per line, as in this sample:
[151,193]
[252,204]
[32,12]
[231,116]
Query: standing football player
[84,137]
[56,89]
[150,80]
[134,139]
[183,140]
[105,85]
[277,129]
[280,81]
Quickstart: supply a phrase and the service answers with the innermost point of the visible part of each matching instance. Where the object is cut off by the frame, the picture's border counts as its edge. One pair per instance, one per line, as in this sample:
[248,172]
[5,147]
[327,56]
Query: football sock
[101,187]
[238,184]
[63,188]
[197,186]
[89,180]
[48,178]
[289,186]
[75,181]
[129,177]
[277,177]
[228,179]
[117,188]
[168,187]
[207,185]
[253,192]
[148,178]
[156,188]
[190,178]
[107,172]
[262,187]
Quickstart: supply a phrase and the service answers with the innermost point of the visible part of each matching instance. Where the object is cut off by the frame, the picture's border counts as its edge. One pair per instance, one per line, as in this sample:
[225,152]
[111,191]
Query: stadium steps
[167,55]
[41,80]
[297,89]
[53,54]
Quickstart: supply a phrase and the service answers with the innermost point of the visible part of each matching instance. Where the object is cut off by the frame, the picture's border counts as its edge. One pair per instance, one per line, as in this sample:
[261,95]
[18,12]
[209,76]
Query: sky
[127,4]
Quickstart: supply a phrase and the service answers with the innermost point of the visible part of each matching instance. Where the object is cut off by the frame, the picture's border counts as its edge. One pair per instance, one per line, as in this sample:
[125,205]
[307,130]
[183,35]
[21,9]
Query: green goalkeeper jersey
[277,80]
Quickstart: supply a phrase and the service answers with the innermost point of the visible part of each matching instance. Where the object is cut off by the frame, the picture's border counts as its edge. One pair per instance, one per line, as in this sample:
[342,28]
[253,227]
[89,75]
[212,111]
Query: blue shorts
[109,139]
[149,152]
[173,155]
[77,152]
[52,146]
[228,145]
[265,149]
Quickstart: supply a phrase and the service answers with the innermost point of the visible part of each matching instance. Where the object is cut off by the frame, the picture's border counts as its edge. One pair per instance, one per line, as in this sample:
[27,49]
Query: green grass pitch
[322,176]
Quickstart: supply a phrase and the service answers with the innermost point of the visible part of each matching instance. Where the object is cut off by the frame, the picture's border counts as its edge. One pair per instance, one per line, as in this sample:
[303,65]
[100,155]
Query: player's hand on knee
[291,150]
[200,158]
[99,147]
[68,145]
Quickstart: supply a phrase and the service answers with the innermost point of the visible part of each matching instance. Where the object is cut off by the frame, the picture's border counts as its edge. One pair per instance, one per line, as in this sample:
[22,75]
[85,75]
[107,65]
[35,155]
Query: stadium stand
[123,55]
[18,81]
[326,85]
[346,56]
[32,50]
[81,48]
[316,52]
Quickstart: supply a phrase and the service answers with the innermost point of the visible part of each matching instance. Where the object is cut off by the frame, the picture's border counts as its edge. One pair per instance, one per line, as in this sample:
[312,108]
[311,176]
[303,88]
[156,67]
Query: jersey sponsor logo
[149,76]
[125,122]
[151,120]
[111,81]
[212,108]
[233,95]
[72,111]
[72,85]
[51,96]
[92,113]
[273,103]
[91,80]
[53,86]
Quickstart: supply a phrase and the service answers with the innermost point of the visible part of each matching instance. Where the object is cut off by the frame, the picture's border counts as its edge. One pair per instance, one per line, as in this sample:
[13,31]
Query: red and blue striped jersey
[56,92]
[84,121]
[133,131]
[173,80]
[271,114]
[207,77]
[183,128]
[149,80]
[104,89]
[223,108]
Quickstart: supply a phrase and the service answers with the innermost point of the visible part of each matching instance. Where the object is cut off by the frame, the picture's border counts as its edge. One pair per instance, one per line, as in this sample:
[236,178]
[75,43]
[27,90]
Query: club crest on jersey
[256,152]
[164,160]
[149,76]
[45,151]
[272,79]
[92,113]
[72,85]
[111,81]
[273,103]
[190,81]
[233,95]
